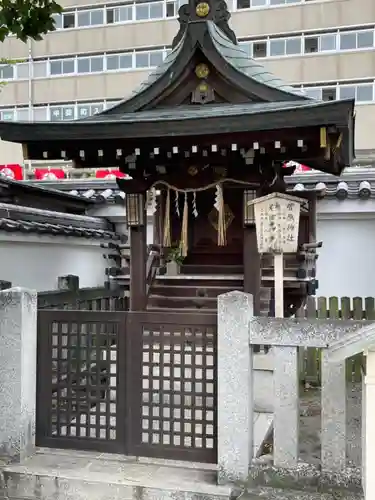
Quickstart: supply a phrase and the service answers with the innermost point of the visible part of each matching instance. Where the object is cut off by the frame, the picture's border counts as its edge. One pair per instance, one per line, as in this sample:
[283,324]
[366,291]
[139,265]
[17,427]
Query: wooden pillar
[312,217]
[156,223]
[252,267]
[138,250]
[138,258]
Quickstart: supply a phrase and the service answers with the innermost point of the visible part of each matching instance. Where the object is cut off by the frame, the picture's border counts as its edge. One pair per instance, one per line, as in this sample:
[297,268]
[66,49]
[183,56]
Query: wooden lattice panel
[178,401]
[78,378]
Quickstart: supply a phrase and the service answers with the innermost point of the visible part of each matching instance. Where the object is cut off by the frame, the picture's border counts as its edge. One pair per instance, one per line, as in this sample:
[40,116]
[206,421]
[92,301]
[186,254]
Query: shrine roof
[185,120]
[253,69]
[231,53]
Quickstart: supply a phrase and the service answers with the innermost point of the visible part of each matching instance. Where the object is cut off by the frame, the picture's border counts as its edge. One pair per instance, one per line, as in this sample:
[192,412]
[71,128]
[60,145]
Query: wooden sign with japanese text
[277,222]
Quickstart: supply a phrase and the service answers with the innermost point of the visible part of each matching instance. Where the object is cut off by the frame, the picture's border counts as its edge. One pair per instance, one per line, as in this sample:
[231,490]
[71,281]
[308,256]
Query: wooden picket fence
[356,308]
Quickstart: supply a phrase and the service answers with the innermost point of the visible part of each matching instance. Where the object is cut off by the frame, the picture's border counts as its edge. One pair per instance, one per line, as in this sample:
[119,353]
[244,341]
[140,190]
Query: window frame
[90,12]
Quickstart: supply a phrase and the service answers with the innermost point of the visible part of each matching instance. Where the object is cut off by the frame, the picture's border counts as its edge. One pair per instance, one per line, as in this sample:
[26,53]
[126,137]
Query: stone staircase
[197,287]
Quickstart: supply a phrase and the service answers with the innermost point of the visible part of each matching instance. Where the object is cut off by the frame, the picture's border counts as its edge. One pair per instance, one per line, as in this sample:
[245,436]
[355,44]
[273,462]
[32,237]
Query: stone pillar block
[333,435]
[286,403]
[235,391]
[18,351]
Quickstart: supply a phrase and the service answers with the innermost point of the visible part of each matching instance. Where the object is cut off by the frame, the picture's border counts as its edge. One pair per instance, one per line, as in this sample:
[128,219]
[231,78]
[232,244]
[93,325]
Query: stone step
[267,493]
[60,475]
[182,302]
[198,280]
[180,310]
[211,269]
[186,290]
[199,303]
[200,290]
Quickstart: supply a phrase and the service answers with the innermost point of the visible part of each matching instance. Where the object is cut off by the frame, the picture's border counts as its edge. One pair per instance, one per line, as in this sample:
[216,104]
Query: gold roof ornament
[202,9]
[202,71]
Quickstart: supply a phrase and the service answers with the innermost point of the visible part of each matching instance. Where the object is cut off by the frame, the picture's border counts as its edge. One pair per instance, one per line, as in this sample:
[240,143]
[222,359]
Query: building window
[58,21]
[347,92]
[327,42]
[365,39]
[313,92]
[148,59]
[62,67]
[119,61]
[93,17]
[243,4]
[259,49]
[39,69]
[147,11]
[68,20]
[365,93]
[120,14]
[286,46]
[348,41]
[329,94]
[311,44]
[40,114]
[293,46]
[7,72]
[8,114]
[84,110]
[23,70]
[356,40]
[62,113]
[90,64]
[277,48]
[170,9]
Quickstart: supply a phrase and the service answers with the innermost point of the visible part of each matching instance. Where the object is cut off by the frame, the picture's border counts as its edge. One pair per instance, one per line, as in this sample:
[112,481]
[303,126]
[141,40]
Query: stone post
[286,407]
[18,350]
[235,392]
[369,454]
[334,434]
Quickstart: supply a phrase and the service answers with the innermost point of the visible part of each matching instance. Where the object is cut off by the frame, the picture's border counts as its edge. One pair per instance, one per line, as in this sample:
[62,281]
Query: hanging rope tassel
[221,230]
[184,229]
[167,240]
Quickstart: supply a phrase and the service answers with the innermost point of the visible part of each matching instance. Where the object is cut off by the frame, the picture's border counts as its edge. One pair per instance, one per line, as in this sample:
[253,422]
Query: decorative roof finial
[209,10]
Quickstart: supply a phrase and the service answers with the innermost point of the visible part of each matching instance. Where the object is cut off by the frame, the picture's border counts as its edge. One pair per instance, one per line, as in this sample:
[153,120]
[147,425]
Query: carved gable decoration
[203,94]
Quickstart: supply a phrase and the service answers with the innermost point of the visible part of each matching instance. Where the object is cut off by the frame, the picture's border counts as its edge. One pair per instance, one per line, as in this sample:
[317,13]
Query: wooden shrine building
[211,129]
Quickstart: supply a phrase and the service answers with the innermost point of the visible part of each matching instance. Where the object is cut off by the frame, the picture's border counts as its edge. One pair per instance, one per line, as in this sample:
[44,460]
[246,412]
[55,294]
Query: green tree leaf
[27,18]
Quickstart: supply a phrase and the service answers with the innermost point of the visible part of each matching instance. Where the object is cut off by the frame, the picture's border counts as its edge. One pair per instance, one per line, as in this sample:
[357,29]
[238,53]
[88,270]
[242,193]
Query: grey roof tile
[9,225]
[15,218]
[192,112]
[240,60]
[354,179]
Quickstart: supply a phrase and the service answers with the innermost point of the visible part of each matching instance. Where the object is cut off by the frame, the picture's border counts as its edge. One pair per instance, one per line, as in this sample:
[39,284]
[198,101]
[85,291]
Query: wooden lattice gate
[139,383]
[175,404]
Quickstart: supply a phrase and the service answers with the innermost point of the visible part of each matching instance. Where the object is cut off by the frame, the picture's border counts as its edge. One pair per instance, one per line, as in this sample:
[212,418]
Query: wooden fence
[88,299]
[357,308]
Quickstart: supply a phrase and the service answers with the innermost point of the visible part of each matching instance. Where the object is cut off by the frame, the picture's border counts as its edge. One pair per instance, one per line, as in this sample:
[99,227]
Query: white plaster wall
[116,214]
[35,262]
[346,264]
